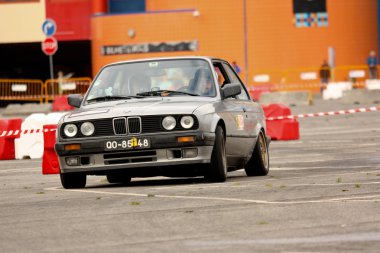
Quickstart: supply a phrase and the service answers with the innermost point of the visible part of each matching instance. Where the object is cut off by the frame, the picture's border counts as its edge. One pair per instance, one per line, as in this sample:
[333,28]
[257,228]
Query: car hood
[136,107]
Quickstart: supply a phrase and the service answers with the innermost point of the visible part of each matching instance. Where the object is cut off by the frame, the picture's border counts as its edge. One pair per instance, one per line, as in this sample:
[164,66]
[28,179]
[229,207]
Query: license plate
[132,143]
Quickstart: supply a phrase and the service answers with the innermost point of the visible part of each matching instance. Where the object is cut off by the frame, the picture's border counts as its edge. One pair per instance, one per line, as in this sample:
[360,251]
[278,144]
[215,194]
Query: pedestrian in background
[372,65]
[324,74]
[236,67]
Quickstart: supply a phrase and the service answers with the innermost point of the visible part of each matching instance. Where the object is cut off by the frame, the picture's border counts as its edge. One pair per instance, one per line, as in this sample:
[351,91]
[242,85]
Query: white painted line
[353,237]
[253,201]
[33,169]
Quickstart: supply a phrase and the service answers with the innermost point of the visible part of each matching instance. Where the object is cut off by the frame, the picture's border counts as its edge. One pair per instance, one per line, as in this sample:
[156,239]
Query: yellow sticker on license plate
[132,143]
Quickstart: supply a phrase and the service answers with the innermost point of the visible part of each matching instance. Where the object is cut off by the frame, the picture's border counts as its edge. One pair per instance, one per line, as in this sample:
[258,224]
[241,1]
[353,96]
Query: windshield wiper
[164,92]
[108,98]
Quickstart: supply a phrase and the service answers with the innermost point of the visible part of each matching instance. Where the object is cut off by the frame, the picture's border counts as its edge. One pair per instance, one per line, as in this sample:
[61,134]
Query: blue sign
[49,27]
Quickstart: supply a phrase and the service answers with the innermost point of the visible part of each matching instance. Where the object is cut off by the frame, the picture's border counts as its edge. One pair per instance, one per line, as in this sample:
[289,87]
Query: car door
[235,119]
[251,110]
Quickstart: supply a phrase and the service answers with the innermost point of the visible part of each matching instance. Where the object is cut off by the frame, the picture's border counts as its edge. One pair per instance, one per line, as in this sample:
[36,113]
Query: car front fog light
[72,161]
[187,122]
[87,128]
[169,123]
[189,152]
[70,130]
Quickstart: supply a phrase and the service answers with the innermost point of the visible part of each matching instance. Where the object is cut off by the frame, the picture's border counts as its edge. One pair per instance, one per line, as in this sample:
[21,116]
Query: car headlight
[187,122]
[70,130]
[169,122]
[87,128]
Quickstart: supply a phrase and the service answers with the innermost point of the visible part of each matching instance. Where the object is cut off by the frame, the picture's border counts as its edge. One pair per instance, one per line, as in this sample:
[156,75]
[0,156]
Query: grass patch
[149,195]
[135,203]
[339,180]
[269,185]
[357,185]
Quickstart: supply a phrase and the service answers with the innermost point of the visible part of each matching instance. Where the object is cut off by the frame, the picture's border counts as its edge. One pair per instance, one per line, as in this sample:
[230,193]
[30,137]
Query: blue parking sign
[49,27]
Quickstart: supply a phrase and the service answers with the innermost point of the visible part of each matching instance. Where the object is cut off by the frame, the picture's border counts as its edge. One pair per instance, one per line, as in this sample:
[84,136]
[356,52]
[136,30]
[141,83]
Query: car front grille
[130,126]
[130,157]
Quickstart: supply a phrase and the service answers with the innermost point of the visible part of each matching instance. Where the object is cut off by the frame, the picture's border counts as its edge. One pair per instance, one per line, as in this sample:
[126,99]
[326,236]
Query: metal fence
[21,90]
[56,87]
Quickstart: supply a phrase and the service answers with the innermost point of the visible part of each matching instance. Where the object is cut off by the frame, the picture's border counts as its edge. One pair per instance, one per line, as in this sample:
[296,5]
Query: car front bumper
[165,150]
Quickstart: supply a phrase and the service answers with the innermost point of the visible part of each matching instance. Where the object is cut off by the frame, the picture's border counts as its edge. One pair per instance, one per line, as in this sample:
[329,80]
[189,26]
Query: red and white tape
[309,115]
[26,131]
[332,113]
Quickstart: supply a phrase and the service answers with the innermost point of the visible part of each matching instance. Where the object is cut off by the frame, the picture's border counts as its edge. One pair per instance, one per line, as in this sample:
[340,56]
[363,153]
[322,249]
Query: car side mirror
[75,100]
[230,90]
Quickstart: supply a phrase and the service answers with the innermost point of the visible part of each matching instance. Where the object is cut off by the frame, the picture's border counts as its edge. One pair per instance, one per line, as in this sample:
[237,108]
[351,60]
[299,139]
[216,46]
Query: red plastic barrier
[285,129]
[8,128]
[50,164]
[61,104]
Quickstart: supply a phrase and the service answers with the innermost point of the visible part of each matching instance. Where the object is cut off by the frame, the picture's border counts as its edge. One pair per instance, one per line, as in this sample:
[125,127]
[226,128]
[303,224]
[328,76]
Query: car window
[133,78]
[234,79]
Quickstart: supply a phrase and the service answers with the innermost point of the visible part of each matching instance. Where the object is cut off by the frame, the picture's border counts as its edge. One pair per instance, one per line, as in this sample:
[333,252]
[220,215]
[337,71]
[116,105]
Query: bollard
[284,129]
[9,130]
[50,164]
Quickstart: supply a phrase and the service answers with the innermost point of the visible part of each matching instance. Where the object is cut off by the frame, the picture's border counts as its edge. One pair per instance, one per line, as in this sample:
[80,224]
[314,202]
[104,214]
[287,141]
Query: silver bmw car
[175,117]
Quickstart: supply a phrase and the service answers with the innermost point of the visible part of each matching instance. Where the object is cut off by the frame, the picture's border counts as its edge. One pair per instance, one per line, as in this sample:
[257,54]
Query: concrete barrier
[372,84]
[361,96]
[26,109]
[287,98]
[335,90]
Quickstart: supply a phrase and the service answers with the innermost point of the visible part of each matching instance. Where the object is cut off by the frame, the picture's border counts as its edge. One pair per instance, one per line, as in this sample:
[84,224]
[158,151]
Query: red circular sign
[49,46]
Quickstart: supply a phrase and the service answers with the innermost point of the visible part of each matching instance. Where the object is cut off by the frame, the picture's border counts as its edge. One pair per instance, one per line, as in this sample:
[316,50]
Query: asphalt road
[321,195]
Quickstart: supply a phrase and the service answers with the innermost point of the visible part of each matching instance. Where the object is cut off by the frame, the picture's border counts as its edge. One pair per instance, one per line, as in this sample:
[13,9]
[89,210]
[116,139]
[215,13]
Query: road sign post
[50,45]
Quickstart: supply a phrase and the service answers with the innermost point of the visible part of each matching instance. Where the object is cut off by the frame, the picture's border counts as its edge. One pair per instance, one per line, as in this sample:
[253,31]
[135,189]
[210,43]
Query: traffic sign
[49,46]
[49,27]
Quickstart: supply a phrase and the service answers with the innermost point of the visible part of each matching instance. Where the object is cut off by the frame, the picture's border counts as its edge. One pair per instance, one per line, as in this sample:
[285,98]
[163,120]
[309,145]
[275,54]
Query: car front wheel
[217,170]
[258,165]
[73,180]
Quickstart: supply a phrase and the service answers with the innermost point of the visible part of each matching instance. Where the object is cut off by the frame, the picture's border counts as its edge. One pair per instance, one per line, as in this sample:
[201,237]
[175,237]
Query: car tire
[258,165]
[73,180]
[217,170]
[117,178]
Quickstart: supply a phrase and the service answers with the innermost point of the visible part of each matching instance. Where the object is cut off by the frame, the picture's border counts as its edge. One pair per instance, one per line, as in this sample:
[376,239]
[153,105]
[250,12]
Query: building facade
[270,37]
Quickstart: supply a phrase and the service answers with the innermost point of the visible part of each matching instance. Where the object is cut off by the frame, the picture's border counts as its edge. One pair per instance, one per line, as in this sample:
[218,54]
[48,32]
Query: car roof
[208,58]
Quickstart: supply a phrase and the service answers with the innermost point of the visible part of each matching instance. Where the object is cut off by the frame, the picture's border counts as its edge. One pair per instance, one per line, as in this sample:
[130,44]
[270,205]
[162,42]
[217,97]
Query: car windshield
[177,77]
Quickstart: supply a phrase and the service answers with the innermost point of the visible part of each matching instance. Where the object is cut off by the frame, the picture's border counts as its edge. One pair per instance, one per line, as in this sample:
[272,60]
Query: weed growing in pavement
[357,185]
[282,186]
[344,190]
[339,180]
[262,223]
[98,198]
[40,193]
[378,175]
[149,195]
[269,185]
[189,211]
[134,203]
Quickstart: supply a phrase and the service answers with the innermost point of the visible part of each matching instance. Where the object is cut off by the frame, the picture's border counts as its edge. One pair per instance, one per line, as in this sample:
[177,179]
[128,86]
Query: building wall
[22,22]
[274,43]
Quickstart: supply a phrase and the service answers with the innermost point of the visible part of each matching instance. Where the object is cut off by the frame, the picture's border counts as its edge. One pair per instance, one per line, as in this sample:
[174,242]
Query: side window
[234,79]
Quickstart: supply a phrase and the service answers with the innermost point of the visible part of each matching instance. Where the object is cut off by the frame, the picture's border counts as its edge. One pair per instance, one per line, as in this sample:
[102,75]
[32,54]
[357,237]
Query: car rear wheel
[73,180]
[217,170]
[258,165]
[115,178]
